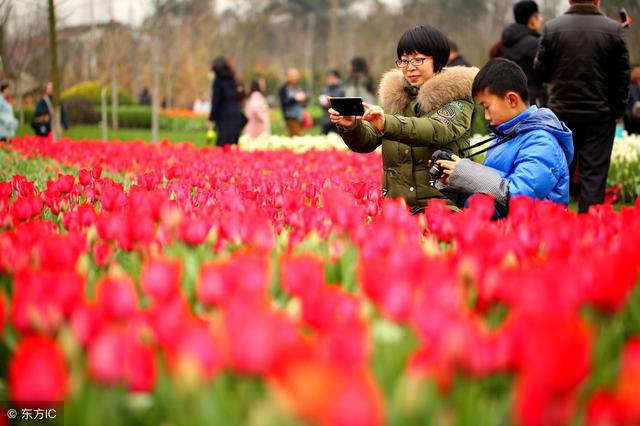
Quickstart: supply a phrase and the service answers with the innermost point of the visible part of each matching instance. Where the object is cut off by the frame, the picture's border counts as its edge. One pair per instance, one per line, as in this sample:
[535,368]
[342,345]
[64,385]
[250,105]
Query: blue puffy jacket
[536,161]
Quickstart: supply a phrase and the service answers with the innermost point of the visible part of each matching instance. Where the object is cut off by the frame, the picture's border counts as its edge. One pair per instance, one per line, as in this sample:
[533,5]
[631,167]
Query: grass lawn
[95,132]
[198,138]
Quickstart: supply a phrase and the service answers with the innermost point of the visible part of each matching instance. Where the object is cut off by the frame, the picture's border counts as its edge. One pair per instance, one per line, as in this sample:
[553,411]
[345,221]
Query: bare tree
[55,76]
[6,7]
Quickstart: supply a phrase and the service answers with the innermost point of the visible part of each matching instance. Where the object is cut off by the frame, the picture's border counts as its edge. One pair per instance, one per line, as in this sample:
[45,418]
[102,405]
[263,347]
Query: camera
[436,171]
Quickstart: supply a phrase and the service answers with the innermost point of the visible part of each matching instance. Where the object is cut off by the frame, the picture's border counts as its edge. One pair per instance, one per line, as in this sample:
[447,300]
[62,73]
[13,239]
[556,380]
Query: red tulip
[84,177]
[161,279]
[116,297]
[118,356]
[37,371]
[195,346]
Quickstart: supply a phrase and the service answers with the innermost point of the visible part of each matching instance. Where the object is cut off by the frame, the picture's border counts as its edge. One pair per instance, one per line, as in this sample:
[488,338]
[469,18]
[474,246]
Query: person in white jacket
[8,122]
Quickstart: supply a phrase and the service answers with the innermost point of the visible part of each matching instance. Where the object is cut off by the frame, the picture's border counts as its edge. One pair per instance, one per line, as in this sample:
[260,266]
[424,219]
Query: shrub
[91,90]
[80,111]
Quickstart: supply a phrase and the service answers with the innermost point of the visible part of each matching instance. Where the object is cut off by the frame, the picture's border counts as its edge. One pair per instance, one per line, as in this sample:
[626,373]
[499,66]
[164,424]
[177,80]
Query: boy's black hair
[524,10]
[426,40]
[500,76]
[3,87]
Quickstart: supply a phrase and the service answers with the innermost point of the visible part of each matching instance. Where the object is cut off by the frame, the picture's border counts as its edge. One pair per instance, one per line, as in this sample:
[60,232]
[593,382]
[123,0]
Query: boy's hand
[448,166]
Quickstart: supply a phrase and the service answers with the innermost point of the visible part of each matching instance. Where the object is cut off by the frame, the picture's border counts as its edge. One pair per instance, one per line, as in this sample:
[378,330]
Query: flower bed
[625,167]
[211,286]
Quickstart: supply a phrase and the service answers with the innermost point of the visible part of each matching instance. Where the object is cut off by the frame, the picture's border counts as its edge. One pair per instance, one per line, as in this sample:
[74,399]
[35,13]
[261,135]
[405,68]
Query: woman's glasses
[416,62]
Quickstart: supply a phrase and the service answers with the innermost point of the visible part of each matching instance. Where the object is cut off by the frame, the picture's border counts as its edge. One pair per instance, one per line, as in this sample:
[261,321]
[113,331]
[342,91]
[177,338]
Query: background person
[424,107]
[632,112]
[359,83]
[226,115]
[455,57]
[333,88]
[520,44]
[41,123]
[8,122]
[292,99]
[584,55]
[202,105]
[257,110]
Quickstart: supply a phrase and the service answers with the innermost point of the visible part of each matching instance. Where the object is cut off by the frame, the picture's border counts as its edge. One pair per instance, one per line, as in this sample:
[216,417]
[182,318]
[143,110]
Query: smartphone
[347,106]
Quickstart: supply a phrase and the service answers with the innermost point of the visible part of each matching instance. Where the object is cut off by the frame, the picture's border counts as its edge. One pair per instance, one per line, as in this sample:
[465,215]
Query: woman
[424,107]
[226,115]
[257,110]
[359,83]
[8,122]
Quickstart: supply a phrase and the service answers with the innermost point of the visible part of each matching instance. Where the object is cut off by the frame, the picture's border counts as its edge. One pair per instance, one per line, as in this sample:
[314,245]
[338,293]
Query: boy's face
[499,110]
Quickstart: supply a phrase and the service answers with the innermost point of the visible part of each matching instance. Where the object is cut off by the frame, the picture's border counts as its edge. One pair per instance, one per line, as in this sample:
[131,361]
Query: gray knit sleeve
[472,178]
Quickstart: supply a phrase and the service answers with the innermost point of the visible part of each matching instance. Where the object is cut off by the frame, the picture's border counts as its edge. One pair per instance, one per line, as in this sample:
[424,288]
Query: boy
[533,161]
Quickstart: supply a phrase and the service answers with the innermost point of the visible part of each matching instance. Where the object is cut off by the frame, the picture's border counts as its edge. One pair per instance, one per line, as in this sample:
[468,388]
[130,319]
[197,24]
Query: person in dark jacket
[520,44]
[632,113]
[455,57]
[359,83]
[41,123]
[226,115]
[584,55]
[334,88]
[292,100]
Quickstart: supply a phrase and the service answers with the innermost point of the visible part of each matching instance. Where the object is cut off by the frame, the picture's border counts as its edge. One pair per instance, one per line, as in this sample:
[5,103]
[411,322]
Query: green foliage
[91,90]
[80,111]
[478,123]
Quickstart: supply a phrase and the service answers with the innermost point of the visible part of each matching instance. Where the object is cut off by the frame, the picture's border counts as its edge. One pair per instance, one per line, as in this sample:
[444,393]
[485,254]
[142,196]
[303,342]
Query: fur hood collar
[448,85]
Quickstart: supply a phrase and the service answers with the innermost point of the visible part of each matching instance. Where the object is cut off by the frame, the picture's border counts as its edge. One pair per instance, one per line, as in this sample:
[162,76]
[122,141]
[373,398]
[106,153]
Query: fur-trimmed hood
[448,85]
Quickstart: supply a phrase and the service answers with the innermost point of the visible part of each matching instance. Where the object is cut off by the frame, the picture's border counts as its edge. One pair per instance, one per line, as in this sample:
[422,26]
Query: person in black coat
[226,114]
[584,55]
[632,113]
[43,113]
[520,44]
[455,57]
[334,88]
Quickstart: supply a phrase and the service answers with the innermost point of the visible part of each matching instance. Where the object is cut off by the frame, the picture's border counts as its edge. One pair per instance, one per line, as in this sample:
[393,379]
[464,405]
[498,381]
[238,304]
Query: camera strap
[483,142]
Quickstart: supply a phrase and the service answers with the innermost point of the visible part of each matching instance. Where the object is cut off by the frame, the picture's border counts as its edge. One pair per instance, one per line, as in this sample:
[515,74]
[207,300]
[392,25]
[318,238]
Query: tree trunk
[103,113]
[114,98]
[311,28]
[155,91]
[55,76]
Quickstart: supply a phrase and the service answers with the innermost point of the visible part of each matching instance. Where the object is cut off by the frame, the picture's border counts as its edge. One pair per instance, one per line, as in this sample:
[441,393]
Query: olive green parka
[419,120]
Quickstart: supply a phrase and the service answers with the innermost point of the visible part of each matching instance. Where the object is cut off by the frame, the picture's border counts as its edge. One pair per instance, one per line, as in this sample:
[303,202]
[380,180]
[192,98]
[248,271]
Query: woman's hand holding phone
[372,113]
[344,121]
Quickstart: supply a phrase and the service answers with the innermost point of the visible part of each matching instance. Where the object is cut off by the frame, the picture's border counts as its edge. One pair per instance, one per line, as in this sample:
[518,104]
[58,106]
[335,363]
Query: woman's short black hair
[426,40]
[222,68]
[500,76]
